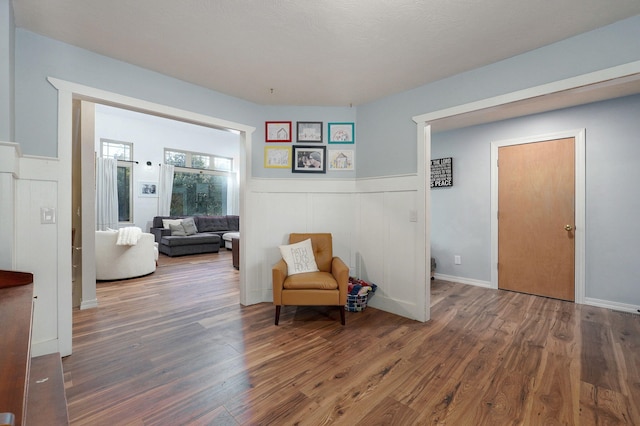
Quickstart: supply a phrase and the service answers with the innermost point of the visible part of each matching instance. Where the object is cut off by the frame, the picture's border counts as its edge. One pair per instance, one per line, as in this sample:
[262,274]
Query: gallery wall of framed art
[308,152]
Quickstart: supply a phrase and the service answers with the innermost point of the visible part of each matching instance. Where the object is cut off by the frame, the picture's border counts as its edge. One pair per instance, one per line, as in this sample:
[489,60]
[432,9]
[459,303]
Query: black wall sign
[442,172]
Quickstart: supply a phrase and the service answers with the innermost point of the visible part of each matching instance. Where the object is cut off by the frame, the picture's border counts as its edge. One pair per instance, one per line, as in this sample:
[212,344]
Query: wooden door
[536,214]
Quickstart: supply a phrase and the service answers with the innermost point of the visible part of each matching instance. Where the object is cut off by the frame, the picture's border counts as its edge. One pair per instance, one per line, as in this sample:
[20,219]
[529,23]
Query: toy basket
[356,302]
[358,296]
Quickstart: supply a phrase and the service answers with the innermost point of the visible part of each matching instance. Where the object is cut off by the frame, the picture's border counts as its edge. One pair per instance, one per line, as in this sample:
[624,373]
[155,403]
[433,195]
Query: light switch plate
[47,215]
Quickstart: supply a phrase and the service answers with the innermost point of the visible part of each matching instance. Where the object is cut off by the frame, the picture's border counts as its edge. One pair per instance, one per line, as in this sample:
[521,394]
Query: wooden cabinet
[19,401]
[235,252]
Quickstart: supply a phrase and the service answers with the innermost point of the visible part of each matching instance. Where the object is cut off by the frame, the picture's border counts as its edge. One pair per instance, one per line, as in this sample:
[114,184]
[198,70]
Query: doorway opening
[67,93]
[149,138]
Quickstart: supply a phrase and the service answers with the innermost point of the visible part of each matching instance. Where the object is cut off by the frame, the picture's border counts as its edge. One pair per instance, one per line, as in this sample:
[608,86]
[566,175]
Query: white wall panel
[283,214]
[372,232]
[372,242]
[37,252]
[401,234]
[335,213]
[6,224]
[276,216]
[386,250]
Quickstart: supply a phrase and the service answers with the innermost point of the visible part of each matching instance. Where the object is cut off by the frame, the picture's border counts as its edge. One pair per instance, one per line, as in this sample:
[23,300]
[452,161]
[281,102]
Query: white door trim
[67,91]
[580,220]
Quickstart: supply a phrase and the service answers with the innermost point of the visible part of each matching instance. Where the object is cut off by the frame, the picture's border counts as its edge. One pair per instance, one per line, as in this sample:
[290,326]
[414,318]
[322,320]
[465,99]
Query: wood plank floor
[176,348]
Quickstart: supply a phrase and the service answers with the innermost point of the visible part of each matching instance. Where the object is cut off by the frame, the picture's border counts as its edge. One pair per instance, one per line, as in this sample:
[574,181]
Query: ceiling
[323,52]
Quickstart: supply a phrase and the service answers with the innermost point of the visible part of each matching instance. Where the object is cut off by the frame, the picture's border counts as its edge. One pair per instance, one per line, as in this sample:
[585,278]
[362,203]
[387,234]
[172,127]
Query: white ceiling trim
[506,106]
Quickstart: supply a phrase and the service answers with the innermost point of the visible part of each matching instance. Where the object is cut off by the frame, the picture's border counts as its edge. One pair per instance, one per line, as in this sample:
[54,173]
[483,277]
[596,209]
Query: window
[178,159]
[123,152]
[201,183]
[200,161]
[199,193]
[116,149]
[196,160]
[222,163]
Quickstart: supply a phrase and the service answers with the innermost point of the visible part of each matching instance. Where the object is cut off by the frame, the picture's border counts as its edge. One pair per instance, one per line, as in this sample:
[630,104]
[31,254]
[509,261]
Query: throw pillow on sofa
[167,222]
[189,226]
[177,230]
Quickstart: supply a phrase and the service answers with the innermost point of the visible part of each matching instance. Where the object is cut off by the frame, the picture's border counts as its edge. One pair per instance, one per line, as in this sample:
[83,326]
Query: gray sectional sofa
[181,241]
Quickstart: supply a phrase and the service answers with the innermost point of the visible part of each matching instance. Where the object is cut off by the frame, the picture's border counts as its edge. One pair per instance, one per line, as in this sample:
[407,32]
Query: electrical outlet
[457,260]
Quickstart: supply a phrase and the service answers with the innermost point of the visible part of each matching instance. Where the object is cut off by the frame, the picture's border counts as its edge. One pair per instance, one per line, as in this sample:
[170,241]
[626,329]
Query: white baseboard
[616,306]
[608,304]
[44,348]
[88,304]
[462,280]
[392,306]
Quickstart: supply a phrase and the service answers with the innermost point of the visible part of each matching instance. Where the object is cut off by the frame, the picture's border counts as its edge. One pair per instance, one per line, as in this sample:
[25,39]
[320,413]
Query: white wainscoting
[6,224]
[372,227]
[9,159]
[41,249]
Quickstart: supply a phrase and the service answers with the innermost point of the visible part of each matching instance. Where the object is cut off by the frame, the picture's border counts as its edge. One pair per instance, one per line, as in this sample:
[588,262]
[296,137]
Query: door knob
[568,228]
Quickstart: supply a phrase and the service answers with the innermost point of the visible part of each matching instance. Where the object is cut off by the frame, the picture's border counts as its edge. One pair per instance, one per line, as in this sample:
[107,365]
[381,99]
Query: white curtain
[165,189]
[106,194]
[233,199]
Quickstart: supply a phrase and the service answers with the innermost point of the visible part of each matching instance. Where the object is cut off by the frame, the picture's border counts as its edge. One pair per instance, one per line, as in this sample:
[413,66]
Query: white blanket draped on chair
[128,236]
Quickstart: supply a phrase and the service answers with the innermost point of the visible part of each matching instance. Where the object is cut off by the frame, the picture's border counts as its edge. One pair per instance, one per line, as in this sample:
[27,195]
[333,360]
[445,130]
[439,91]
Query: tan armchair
[327,287]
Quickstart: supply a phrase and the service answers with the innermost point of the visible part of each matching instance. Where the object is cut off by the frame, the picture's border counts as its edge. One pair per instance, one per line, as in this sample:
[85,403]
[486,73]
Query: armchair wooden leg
[278,313]
[342,315]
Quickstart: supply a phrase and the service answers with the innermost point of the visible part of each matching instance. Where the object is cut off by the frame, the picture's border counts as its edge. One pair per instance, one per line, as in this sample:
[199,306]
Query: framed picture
[277,157]
[309,159]
[309,131]
[341,133]
[277,131]
[341,159]
[442,172]
[148,189]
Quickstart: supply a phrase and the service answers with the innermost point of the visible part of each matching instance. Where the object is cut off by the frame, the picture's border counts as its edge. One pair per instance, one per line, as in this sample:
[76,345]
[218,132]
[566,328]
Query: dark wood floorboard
[177,348]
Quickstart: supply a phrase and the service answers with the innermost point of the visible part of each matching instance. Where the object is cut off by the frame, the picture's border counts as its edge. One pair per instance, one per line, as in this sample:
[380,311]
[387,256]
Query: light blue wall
[388,135]
[385,134]
[39,57]
[6,71]
[461,214]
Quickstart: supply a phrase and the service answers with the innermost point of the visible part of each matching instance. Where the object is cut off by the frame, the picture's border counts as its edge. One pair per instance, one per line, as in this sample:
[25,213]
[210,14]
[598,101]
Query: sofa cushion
[199,238]
[189,225]
[212,223]
[177,230]
[228,236]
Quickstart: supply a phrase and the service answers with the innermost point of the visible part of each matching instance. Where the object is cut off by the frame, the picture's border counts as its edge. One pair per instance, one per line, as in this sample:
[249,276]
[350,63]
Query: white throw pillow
[299,257]
[167,222]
